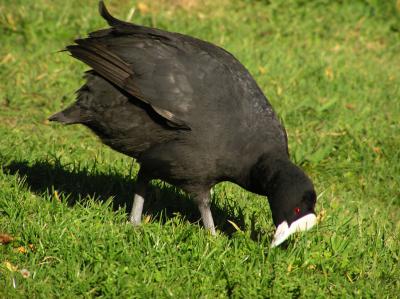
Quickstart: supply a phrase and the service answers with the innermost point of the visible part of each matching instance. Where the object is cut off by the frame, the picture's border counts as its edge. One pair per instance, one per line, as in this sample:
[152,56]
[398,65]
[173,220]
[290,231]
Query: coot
[191,115]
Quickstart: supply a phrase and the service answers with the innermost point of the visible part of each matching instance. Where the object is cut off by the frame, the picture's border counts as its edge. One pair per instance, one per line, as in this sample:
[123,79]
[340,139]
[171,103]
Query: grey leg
[203,203]
[140,191]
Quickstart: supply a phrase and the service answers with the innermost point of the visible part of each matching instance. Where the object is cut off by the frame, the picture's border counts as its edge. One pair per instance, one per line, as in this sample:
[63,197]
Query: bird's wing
[98,54]
[164,70]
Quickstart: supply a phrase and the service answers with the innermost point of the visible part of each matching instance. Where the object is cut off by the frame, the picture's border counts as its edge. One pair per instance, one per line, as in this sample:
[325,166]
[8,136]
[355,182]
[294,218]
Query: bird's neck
[277,178]
[265,174]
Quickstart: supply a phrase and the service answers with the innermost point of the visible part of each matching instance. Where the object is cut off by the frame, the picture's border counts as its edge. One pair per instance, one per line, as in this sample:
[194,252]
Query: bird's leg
[138,201]
[203,203]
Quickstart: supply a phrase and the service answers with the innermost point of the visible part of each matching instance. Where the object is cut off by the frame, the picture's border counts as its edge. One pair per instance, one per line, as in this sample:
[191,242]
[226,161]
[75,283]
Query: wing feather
[95,54]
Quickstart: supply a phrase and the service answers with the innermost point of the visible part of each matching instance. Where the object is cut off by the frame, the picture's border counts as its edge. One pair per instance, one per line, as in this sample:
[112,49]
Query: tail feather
[68,116]
[109,18]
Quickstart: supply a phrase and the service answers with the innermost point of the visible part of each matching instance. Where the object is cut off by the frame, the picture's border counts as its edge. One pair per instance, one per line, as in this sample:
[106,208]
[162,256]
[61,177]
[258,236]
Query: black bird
[192,115]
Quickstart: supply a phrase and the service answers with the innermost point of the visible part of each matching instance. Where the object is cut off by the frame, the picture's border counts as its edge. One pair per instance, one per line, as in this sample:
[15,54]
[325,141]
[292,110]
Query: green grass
[330,69]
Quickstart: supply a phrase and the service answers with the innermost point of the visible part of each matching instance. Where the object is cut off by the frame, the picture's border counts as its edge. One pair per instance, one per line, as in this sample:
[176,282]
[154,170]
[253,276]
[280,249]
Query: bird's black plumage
[188,111]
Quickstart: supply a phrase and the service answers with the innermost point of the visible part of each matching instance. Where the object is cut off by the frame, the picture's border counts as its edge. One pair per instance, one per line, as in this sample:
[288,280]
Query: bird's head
[291,196]
[298,215]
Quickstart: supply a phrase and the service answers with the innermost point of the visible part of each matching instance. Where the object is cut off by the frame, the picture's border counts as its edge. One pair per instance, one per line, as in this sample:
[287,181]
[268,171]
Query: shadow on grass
[162,201]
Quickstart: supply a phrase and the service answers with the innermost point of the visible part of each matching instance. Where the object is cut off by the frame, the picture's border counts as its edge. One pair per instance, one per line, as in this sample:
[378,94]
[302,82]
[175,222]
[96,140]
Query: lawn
[331,69]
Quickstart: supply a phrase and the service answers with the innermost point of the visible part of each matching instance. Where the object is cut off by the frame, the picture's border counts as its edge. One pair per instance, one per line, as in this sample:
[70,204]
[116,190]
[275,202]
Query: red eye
[297,211]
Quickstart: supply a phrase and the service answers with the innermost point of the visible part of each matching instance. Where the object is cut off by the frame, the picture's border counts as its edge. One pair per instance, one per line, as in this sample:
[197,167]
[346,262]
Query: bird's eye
[297,211]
